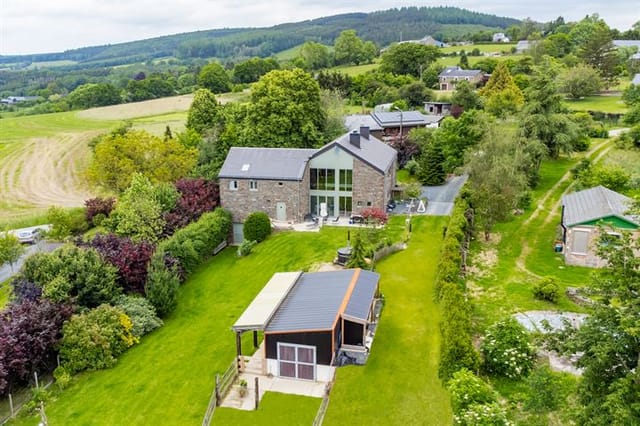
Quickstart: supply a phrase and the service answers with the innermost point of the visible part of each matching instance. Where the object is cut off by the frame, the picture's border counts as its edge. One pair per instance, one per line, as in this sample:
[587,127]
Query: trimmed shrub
[507,349]
[245,247]
[257,227]
[466,388]
[94,340]
[162,284]
[547,289]
[98,206]
[66,222]
[142,313]
[192,244]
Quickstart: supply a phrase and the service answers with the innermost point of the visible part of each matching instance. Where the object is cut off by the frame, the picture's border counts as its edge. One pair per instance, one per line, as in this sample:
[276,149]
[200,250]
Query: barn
[309,318]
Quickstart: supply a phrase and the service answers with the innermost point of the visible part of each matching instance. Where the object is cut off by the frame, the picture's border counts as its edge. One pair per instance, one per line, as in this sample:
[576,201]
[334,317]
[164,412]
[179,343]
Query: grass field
[168,378]
[609,103]
[483,48]
[17,129]
[292,53]
[275,409]
[353,70]
[399,385]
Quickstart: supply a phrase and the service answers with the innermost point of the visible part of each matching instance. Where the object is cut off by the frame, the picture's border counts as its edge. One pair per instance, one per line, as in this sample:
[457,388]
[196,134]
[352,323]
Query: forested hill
[448,23]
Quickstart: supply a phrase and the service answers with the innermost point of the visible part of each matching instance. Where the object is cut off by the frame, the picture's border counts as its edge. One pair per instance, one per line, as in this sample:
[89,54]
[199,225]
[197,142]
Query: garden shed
[307,318]
[587,213]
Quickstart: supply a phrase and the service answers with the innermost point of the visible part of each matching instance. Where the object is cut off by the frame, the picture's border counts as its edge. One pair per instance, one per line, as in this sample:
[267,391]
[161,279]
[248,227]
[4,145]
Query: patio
[253,368]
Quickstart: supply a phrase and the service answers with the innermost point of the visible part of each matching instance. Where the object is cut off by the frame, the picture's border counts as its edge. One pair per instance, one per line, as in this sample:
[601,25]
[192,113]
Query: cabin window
[233,185]
[253,185]
[297,361]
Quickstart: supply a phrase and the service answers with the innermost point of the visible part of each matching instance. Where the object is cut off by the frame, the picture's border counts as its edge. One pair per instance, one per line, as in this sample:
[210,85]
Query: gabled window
[233,185]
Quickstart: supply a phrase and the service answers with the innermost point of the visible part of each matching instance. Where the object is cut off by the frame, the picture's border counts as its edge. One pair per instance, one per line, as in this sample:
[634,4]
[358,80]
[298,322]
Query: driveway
[439,199]
[42,246]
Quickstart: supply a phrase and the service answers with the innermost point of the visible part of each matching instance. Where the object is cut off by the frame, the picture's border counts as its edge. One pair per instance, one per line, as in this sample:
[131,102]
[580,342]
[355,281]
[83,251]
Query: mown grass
[608,103]
[354,70]
[483,48]
[168,378]
[36,218]
[450,61]
[275,409]
[20,128]
[399,385]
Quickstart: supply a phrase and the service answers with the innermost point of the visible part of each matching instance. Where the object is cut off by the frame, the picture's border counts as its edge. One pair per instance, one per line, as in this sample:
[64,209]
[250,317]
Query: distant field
[50,64]
[139,109]
[604,103]
[484,48]
[450,61]
[355,69]
[292,53]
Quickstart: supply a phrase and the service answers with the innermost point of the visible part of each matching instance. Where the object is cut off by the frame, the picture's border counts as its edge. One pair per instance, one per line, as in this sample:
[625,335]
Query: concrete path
[439,198]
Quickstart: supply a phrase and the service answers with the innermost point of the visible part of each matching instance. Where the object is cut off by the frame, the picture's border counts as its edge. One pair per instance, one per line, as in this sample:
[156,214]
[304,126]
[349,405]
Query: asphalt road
[7,272]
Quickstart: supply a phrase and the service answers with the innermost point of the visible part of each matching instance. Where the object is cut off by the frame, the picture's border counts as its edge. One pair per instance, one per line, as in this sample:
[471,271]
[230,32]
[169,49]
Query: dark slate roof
[362,295]
[458,72]
[409,118]
[636,80]
[593,204]
[372,151]
[316,300]
[354,121]
[265,163]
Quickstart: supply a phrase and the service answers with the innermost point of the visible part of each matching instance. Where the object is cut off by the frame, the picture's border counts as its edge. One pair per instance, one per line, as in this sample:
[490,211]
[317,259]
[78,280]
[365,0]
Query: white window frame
[296,362]
[233,185]
[253,185]
[573,239]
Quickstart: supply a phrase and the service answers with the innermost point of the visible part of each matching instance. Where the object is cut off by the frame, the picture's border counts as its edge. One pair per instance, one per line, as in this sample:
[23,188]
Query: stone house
[348,174]
[588,213]
[450,76]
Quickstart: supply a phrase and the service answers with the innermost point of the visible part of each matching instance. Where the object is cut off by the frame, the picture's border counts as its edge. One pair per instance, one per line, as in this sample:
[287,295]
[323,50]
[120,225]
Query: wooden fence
[223,384]
[323,406]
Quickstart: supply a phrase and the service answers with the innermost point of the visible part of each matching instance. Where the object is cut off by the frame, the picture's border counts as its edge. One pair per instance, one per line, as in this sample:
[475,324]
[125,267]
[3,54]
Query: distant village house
[450,76]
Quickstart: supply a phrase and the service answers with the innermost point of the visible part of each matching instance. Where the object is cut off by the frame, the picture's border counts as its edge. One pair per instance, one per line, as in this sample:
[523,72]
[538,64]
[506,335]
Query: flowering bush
[507,349]
[482,415]
[466,389]
[374,215]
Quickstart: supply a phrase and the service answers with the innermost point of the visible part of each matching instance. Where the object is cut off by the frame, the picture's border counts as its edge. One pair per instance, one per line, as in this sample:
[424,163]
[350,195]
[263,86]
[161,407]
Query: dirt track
[45,172]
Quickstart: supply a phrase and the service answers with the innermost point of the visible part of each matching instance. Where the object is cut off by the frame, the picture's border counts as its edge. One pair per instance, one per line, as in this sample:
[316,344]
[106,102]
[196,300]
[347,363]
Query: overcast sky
[37,26]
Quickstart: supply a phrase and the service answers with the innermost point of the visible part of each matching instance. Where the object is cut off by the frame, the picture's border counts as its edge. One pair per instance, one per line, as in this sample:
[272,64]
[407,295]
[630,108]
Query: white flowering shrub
[466,388]
[507,349]
[482,415]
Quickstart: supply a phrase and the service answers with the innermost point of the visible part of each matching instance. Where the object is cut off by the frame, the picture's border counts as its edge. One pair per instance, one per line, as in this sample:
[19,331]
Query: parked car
[391,205]
[29,236]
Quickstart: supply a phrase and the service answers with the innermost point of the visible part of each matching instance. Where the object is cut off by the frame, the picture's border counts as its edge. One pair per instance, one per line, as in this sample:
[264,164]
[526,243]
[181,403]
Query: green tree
[119,156]
[162,285]
[497,176]
[350,49]
[334,107]
[431,171]
[507,349]
[408,58]
[93,95]
[252,69]
[464,61]
[204,111]
[285,111]
[215,78]
[545,119]
[357,258]
[314,55]
[138,213]
[257,227]
[579,81]
[10,249]
[502,96]
[631,95]
[466,97]
[595,47]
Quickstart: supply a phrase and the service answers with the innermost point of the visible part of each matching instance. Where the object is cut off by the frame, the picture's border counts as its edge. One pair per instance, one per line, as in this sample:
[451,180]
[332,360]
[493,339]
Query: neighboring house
[10,100]
[309,318]
[523,45]
[386,125]
[627,43]
[427,41]
[636,80]
[583,213]
[635,57]
[438,108]
[500,38]
[450,76]
[348,174]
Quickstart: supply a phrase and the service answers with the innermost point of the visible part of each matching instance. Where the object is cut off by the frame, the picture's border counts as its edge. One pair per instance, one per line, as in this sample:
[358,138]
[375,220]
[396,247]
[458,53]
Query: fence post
[257,394]
[11,405]
[35,374]
[218,390]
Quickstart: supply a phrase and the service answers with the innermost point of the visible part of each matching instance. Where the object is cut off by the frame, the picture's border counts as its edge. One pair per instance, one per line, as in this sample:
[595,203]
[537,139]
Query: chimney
[364,131]
[354,138]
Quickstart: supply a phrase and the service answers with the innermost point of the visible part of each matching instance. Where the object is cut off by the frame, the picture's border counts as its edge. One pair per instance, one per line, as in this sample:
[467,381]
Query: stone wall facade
[369,187]
[243,201]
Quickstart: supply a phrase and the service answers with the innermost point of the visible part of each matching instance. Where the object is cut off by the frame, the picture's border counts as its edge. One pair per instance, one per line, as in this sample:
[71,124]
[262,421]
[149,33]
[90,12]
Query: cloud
[35,26]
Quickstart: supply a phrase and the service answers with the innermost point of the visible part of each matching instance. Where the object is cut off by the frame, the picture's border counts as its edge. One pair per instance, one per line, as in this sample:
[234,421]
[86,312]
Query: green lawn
[483,48]
[275,409]
[5,292]
[354,70]
[450,61]
[168,378]
[29,126]
[601,103]
[399,385]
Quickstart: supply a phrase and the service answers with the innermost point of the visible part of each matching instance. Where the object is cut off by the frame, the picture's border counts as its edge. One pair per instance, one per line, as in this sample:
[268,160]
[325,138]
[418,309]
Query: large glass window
[346,180]
[345,205]
[323,179]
